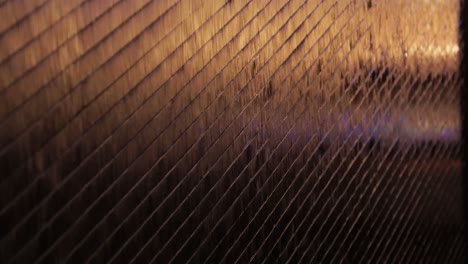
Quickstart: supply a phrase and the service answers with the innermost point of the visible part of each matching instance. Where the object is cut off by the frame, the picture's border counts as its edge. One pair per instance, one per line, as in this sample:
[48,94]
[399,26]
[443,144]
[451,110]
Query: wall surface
[195,131]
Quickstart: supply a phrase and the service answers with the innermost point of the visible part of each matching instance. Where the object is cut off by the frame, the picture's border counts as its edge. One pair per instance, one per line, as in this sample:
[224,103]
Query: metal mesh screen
[194,131]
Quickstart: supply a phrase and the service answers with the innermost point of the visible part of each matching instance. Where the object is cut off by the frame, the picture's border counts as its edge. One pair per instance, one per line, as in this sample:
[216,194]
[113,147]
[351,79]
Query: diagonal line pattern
[420,97]
[354,224]
[230,131]
[144,126]
[337,235]
[407,233]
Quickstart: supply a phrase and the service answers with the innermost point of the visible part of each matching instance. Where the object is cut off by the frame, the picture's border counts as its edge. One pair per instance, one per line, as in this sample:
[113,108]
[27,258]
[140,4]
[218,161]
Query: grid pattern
[238,131]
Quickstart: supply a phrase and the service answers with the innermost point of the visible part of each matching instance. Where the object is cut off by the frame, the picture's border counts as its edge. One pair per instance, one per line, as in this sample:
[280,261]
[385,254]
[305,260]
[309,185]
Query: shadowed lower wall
[194,131]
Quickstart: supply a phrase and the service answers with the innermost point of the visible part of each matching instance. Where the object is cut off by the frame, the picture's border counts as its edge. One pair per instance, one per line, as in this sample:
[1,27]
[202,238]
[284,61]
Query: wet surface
[230,131]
